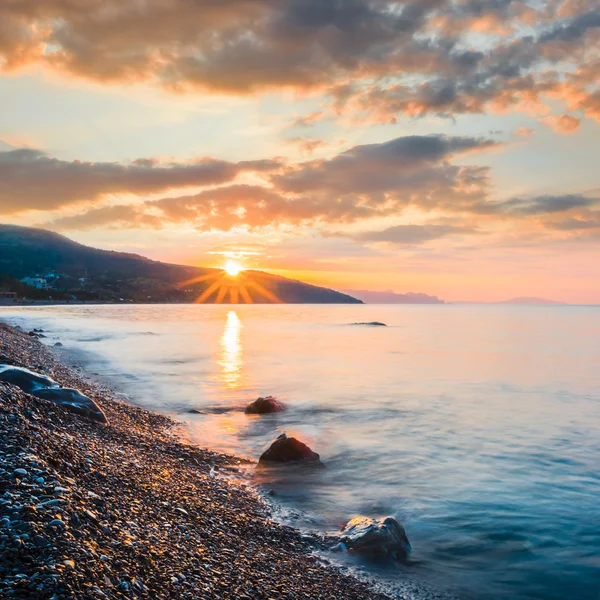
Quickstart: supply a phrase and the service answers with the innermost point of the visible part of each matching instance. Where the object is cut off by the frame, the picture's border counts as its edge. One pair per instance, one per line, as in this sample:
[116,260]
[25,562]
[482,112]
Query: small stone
[20,473]
[41,542]
[57,523]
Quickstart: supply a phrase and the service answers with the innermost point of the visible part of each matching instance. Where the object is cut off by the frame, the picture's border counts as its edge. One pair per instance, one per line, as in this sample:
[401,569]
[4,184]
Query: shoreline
[128,509]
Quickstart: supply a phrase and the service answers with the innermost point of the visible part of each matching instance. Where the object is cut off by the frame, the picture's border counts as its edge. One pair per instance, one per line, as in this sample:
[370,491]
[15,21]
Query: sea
[476,426]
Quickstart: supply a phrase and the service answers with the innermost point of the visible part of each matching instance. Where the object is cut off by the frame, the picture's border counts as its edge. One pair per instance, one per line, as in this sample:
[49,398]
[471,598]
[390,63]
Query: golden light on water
[230,355]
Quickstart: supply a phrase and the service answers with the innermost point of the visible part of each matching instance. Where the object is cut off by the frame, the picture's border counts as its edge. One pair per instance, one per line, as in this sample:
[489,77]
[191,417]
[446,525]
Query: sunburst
[232,285]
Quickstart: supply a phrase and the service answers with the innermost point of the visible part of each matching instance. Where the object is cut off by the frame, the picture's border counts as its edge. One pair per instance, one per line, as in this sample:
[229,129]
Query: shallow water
[477,426]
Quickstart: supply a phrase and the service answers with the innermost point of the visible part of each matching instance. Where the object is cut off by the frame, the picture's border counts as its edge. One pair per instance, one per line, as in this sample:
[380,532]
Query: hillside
[93,274]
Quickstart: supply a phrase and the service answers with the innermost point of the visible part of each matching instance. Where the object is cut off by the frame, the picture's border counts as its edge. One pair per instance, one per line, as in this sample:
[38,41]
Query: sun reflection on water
[230,355]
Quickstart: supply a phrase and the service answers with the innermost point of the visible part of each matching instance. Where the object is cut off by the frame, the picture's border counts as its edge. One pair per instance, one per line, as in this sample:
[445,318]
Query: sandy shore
[126,510]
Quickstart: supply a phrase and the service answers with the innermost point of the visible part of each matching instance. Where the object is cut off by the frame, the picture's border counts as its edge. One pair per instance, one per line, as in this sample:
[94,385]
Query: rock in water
[289,450]
[376,537]
[263,406]
[372,324]
[48,389]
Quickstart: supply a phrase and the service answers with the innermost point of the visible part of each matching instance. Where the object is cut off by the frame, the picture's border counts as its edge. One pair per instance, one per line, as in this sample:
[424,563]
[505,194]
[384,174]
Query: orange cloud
[563,123]
[363,182]
[421,49]
[523,132]
[31,180]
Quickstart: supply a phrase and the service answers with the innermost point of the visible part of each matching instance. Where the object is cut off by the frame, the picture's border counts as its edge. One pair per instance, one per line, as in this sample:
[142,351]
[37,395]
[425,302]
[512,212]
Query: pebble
[57,523]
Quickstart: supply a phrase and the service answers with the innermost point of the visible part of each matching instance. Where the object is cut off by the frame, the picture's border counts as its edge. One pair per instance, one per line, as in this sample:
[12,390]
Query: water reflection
[230,355]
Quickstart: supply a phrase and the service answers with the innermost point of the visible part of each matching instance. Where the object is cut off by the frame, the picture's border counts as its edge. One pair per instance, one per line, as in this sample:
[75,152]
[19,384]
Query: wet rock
[25,379]
[289,450]
[46,388]
[263,406]
[376,537]
[57,523]
[58,344]
[74,401]
[20,473]
[371,324]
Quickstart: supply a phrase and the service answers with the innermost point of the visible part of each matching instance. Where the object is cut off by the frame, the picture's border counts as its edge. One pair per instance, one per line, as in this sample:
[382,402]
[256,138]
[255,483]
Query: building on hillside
[37,282]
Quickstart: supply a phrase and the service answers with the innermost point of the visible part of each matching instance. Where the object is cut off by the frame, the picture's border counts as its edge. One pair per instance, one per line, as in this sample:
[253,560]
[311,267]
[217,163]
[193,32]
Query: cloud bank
[378,57]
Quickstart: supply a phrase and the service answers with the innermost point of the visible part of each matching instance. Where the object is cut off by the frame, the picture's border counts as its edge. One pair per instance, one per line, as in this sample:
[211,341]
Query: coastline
[129,510]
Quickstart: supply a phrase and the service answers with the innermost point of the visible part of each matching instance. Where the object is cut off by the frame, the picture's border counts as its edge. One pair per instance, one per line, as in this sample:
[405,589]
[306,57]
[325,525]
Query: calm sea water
[477,426]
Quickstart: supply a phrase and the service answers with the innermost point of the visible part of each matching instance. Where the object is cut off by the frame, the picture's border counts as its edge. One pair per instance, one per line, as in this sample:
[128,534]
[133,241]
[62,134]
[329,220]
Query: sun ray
[245,295]
[221,294]
[263,291]
[208,292]
[200,278]
[233,295]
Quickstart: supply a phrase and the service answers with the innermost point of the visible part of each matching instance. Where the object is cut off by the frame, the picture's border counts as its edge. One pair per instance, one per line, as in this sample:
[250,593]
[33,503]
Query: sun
[232,268]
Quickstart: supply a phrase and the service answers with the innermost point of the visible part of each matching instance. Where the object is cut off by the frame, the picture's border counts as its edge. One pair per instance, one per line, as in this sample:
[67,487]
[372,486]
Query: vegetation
[91,274]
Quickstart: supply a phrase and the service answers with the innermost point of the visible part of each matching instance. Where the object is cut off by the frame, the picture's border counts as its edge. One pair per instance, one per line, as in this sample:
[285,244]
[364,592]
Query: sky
[448,147]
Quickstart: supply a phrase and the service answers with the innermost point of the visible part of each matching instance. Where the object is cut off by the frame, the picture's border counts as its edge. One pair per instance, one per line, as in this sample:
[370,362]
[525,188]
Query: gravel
[126,510]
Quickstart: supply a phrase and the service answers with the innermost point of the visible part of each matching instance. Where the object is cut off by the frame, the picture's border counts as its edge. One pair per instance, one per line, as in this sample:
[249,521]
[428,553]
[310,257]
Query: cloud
[123,216]
[363,182]
[540,205]
[576,224]
[412,235]
[31,180]
[402,164]
[563,123]
[415,58]
[523,132]
[307,145]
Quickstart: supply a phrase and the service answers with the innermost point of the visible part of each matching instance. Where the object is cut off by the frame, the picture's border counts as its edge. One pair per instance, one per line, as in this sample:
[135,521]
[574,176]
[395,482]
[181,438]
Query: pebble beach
[127,510]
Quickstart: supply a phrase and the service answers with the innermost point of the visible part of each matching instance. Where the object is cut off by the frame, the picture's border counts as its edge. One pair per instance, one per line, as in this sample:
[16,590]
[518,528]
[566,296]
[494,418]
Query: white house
[37,282]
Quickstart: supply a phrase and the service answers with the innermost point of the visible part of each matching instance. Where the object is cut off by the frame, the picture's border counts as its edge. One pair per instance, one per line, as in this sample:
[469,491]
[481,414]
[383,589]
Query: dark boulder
[289,450]
[43,387]
[25,379]
[383,537]
[372,324]
[58,344]
[74,401]
[263,406]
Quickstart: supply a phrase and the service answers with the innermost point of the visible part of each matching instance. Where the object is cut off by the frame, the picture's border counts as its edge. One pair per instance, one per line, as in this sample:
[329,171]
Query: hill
[93,274]
[390,297]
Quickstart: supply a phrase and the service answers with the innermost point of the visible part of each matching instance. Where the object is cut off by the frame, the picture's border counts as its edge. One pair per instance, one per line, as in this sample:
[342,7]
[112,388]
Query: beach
[128,510]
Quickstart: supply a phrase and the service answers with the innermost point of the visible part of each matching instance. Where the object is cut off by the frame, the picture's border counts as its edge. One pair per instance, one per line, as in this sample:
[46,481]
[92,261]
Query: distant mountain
[390,297]
[93,274]
[529,301]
